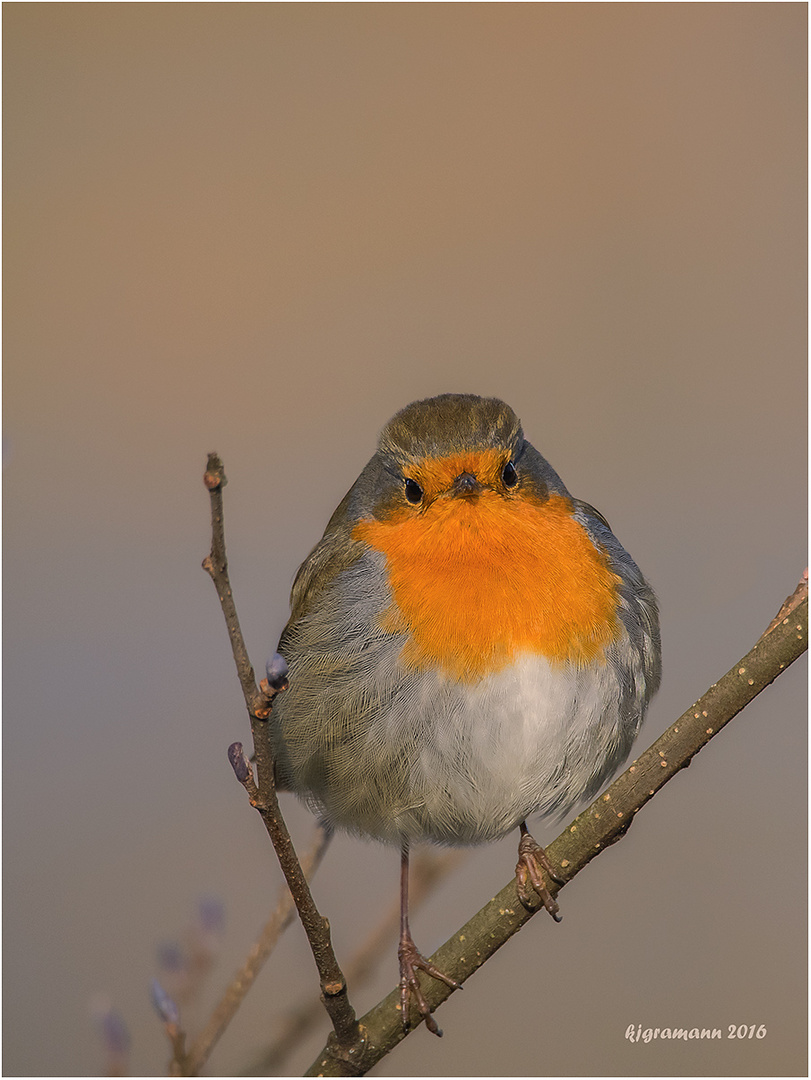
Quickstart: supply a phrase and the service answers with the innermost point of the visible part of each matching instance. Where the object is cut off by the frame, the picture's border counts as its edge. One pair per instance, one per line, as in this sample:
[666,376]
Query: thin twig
[168,1011]
[216,565]
[347,1042]
[602,824]
[791,603]
[427,870]
[261,950]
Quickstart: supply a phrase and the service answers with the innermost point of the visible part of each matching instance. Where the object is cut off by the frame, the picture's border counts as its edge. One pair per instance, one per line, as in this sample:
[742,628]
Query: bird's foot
[531,861]
[411,961]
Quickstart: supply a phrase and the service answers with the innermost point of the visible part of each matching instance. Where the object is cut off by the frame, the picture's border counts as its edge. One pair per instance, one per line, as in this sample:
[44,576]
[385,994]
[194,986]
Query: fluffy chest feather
[476,582]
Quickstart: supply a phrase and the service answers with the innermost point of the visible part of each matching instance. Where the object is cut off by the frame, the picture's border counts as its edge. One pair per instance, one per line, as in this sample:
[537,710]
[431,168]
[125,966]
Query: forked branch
[347,1040]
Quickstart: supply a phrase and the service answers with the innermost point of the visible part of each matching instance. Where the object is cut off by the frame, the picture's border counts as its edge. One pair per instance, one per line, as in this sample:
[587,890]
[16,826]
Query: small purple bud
[111,1026]
[171,958]
[276,669]
[166,1009]
[115,1034]
[239,763]
[211,913]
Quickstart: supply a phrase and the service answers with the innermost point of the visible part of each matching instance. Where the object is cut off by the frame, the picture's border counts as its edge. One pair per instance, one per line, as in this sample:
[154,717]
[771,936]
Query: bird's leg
[412,960]
[531,860]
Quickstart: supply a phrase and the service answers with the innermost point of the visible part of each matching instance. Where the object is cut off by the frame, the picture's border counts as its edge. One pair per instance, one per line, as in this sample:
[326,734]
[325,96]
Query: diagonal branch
[599,826]
[347,1041]
[244,979]
[428,869]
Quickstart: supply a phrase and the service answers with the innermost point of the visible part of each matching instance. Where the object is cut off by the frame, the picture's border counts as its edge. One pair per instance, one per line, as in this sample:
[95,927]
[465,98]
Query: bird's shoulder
[590,511]
[335,551]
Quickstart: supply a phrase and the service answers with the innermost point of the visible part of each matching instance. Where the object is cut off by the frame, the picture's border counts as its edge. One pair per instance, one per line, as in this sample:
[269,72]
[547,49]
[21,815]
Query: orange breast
[476,580]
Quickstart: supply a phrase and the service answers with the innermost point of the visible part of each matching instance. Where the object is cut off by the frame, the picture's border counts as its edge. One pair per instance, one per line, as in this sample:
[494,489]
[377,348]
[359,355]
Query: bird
[468,646]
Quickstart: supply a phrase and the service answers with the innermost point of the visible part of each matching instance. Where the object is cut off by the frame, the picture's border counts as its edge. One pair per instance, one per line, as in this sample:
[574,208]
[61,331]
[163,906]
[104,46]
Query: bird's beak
[466,484]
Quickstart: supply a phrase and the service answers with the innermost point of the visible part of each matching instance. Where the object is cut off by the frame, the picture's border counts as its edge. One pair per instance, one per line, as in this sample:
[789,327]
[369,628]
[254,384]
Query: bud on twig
[239,763]
[276,669]
[171,958]
[211,915]
[111,1027]
[165,1007]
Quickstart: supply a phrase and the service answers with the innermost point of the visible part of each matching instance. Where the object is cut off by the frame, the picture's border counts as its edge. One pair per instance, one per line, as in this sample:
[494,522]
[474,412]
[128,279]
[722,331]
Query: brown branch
[347,1041]
[602,824]
[261,950]
[427,870]
[216,565]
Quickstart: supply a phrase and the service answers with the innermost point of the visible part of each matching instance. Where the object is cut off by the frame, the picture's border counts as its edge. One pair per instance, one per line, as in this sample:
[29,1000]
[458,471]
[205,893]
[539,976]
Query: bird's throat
[477,580]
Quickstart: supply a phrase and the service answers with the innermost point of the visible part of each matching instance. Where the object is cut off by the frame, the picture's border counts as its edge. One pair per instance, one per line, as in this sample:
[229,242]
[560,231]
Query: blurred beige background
[264,228]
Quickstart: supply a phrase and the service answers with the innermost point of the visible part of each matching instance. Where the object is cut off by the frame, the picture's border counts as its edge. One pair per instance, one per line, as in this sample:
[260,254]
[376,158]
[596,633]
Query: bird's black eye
[413,491]
[509,475]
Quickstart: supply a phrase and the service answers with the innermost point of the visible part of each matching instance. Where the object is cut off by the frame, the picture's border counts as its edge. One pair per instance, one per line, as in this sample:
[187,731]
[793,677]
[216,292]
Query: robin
[468,645]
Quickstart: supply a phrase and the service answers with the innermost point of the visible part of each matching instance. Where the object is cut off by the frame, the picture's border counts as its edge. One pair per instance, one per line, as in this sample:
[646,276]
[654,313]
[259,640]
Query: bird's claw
[531,861]
[411,961]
